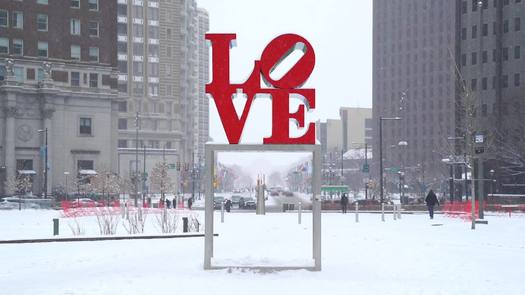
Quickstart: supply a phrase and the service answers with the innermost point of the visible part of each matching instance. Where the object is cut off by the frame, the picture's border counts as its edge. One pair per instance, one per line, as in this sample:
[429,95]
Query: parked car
[235,200]
[217,201]
[288,194]
[367,204]
[247,203]
[85,202]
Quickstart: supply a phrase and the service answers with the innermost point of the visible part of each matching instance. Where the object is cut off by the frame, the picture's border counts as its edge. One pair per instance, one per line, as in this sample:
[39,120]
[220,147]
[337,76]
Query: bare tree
[106,184]
[160,180]
[19,185]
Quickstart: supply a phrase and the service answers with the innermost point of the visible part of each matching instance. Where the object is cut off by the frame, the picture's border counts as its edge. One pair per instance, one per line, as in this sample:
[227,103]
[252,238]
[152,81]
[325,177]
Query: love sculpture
[280,90]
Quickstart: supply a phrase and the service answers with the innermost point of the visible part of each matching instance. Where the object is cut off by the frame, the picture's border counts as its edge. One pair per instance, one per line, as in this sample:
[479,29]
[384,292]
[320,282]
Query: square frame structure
[211,156]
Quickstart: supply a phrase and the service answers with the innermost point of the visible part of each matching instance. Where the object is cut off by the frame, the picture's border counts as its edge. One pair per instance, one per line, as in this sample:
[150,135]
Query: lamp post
[381,119]
[492,181]
[66,174]
[137,179]
[402,144]
[45,162]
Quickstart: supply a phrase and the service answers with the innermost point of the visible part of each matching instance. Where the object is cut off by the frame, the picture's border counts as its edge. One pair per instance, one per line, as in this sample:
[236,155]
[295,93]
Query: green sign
[393,169]
[366,168]
[172,166]
[334,188]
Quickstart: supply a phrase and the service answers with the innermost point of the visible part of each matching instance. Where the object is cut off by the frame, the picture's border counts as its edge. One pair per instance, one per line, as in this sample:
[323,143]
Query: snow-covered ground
[408,256]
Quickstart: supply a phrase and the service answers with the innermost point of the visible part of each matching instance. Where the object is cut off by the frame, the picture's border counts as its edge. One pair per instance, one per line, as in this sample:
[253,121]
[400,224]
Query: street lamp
[381,119]
[493,181]
[45,162]
[66,173]
[402,175]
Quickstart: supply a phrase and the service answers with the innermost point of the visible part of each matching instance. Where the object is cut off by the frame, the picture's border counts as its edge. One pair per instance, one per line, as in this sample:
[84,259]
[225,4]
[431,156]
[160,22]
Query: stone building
[57,81]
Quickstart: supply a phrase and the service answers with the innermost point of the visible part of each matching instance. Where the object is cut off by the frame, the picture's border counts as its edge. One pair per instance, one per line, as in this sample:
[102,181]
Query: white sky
[340,32]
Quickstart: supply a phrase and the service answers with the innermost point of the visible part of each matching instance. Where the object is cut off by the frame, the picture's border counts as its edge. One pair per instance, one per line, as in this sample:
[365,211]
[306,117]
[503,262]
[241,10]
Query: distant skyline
[340,32]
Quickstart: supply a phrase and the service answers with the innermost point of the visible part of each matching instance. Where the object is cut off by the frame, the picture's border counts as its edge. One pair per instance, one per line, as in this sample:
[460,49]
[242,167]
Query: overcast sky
[340,32]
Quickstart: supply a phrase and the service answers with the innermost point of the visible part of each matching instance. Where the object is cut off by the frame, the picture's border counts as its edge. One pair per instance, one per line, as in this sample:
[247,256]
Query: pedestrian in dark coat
[228,205]
[431,201]
[174,202]
[344,202]
[168,203]
[190,202]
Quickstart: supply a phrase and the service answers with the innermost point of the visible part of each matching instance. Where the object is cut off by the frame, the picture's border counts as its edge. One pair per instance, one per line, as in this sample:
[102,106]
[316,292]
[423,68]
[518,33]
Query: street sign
[172,166]
[479,138]
[393,169]
[366,168]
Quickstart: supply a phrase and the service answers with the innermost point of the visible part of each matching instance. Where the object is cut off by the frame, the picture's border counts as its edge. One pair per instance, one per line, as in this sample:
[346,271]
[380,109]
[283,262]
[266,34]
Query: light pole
[381,119]
[492,181]
[66,173]
[136,158]
[402,144]
[45,162]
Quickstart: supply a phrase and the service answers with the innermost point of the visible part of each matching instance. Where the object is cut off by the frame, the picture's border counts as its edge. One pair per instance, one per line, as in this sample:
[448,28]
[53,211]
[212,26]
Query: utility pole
[192,175]
[366,164]
[136,158]
[144,178]
[342,161]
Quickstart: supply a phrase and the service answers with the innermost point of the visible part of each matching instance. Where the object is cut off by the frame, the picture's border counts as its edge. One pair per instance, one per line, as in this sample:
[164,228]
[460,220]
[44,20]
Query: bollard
[399,212]
[394,213]
[299,211]
[383,212]
[122,210]
[185,224]
[55,226]
[222,212]
[356,212]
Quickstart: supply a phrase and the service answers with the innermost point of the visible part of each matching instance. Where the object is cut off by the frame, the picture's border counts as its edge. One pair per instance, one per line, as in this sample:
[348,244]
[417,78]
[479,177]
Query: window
[85,165]
[153,89]
[19,74]
[484,110]
[517,80]
[153,50]
[41,22]
[41,2]
[474,5]
[517,24]
[464,7]
[505,26]
[75,3]
[122,66]
[17,20]
[75,26]
[485,29]
[75,52]
[517,52]
[138,68]
[138,12]
[122,47]
[93,4]
[122,124]
[75,79]
[474,58]
[93,29]
[484,56]
[4,45]
[93,80]
[504,81]
[3,18]
[93,54]
[153,69]
[138,49]
[18,46]
[153,13]
[122,143]
[474,32]
[138,31]
[484,83]
[122,29]
[464,34]
[85,126]
[138,88]
[153,32]
[42,49]
[122,10]
[505,53]
[473,84]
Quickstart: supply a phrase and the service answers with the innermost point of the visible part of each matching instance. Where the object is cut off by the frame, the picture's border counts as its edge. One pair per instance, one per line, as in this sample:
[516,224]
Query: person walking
[190,202]
[344,202]
[168,203]
[174,202]
[228,205]
[431,201]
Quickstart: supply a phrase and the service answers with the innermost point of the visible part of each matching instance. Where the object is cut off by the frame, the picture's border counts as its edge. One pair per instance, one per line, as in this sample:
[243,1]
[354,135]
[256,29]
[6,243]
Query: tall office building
[160,80]
[414,78]
[57,86]
[492,64]
[203,110]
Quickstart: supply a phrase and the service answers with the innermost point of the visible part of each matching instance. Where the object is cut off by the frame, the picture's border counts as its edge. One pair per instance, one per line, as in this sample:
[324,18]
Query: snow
[408,256]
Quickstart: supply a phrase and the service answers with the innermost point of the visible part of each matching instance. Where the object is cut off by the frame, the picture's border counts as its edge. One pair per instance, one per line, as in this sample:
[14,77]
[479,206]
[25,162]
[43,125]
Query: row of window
[138,68]
[484,3]
[154,144]
[42,23]
[76,79]
[43,49]
[485,29]
[138,12]
[92,4]
[504,82]
[484,56]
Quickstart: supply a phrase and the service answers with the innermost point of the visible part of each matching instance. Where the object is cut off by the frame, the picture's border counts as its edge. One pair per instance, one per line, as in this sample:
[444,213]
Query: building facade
[160,81]
[353,125]
[491,43]
[57,87]
[414,77]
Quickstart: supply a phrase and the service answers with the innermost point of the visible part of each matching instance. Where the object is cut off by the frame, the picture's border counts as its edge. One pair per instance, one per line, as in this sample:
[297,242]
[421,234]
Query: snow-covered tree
[160,180]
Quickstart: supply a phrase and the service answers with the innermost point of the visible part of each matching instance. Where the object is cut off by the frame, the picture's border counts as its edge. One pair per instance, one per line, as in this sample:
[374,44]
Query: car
[235,199]
[288,194]
[367,204]
[247,203]
[85,203]
[217,201]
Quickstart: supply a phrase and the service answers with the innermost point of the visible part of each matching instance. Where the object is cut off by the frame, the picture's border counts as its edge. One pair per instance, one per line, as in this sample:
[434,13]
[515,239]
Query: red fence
[463,210]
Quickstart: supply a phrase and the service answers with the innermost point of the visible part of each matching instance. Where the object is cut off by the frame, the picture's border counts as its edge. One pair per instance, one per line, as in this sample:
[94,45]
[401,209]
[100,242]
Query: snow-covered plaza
[409,256]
